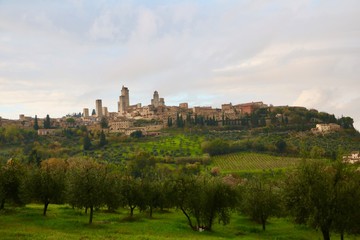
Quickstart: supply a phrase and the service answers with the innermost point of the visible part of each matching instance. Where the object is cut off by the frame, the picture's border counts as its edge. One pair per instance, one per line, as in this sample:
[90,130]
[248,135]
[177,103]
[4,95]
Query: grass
[250,162]
[63,222]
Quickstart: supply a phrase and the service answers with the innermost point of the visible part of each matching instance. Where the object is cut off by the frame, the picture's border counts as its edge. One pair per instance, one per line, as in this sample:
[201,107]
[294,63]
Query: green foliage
[86,142]
[169,122]
[142,165]
[14,136]
[319,195]
[180,122]
[281,146]
[317,152]
[132,194]
[12,177]
[102,141]
[48,183]
[70,120]
[202,199]
[137,134]
[104,122]
[47,122]
[346,122]
[216,147]
[261,199]
[87,180]
[112,191]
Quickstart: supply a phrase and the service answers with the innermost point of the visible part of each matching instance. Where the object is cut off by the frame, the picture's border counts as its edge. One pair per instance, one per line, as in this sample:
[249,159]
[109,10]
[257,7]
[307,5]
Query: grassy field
[63,222]
[245,162]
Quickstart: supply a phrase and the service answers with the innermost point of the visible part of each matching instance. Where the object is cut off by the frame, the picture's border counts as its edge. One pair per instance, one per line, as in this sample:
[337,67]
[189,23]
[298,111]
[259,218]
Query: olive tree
[12,179]
[49,182]
[261,200]
[324,196]
[87,179]
[202,199]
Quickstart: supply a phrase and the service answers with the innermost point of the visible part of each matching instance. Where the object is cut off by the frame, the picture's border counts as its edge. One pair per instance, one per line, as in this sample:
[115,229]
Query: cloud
[281,52]
[314,98]
[104,27]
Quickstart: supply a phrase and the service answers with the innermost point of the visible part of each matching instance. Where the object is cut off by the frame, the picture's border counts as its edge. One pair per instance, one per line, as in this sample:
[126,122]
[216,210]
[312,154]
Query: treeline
[220,146]
[333,146]
[322,196]
[292,118]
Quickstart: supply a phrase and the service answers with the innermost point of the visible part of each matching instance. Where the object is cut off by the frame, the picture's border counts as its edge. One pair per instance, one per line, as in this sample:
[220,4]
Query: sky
[58,57]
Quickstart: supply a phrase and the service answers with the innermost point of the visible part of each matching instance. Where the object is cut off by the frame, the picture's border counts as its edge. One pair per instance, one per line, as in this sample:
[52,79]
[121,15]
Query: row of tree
[323,196]
[46,122]
[287,117]
[277,145]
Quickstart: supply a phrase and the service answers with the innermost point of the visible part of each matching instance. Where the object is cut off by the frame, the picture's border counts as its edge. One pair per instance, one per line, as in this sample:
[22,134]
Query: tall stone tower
[124,101]
[156,101]
[98,105]
[85,112]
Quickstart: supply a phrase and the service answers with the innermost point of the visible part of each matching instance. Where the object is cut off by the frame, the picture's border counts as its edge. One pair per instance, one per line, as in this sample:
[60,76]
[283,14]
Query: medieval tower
[124,101]
[156,101]
[98,105]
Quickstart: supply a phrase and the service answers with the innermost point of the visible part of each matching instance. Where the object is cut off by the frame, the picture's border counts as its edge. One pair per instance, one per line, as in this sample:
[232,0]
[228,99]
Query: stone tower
[85,112]
[124,101]
[98,105]
[156,101]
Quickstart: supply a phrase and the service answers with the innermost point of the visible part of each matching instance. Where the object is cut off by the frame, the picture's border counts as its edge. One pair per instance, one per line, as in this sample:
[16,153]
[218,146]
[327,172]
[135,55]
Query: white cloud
[281,52]
[146,26]
[314,98]
[104,27]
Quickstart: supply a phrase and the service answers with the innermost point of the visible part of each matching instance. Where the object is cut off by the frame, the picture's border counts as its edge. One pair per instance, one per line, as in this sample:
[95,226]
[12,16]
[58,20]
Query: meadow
[63,222]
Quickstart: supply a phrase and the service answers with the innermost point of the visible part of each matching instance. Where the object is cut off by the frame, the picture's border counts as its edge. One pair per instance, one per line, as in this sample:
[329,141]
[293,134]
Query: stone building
[120,125]
[230,112]
[208,112]
[249,108]
[326,128]
[184,105]
[44,132]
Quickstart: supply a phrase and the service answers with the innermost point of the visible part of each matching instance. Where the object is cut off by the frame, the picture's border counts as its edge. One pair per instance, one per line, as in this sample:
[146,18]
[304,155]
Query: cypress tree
[86,142]
[47,122]
[36,124]
[103,141]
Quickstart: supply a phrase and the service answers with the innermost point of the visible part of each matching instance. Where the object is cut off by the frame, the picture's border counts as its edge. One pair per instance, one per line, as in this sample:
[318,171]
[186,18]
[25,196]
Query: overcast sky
[58,57]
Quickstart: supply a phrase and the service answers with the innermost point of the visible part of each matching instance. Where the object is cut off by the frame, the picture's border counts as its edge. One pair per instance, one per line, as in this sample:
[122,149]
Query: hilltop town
[157,113]
[152,118]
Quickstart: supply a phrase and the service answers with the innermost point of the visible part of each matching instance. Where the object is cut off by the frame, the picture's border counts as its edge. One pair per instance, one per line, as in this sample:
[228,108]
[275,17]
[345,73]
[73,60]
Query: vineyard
[240,162]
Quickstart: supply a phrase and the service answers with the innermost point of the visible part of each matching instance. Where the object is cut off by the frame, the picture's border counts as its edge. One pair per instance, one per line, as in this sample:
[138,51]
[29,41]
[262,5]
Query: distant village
[155,115]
